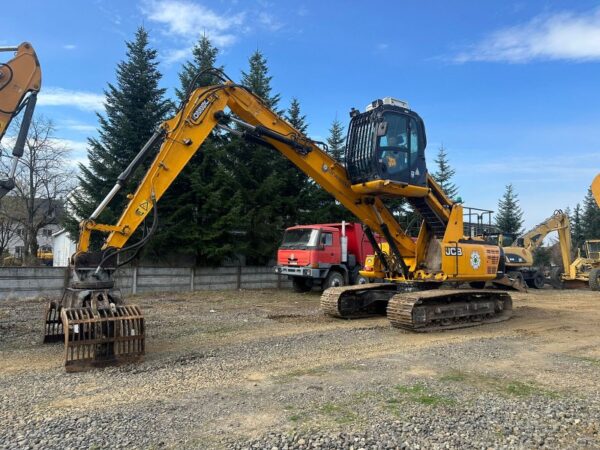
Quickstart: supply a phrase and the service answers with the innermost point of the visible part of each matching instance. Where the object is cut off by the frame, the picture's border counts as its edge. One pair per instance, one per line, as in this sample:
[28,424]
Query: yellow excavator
[20,82]
[385,158]
[519,249]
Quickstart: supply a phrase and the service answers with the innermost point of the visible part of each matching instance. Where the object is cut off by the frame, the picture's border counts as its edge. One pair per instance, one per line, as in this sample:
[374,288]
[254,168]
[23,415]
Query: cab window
[326,239]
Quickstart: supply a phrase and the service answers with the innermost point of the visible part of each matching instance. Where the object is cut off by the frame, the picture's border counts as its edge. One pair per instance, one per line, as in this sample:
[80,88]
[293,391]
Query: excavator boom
[20,81]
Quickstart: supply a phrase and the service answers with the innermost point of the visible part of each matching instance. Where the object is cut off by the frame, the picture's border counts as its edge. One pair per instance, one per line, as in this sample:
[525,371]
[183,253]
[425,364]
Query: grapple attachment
[102,337]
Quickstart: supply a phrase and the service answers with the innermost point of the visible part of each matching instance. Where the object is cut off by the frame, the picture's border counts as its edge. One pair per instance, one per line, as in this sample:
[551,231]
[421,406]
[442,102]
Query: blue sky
[509,88]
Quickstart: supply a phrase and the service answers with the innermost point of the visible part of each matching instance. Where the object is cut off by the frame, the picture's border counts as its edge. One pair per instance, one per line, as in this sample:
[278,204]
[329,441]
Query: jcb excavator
[20,81]
[385,158]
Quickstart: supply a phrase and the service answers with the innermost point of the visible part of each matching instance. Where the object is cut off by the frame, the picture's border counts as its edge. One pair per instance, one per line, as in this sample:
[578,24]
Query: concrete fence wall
[25,282]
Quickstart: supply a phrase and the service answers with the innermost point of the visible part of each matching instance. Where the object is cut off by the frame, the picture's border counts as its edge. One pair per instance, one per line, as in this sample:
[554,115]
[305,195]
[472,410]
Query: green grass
[340,414]
[503,386]
[589,359]
[419,393]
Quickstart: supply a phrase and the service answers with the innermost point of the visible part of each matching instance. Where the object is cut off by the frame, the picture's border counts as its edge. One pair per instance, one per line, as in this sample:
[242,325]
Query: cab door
[330,251]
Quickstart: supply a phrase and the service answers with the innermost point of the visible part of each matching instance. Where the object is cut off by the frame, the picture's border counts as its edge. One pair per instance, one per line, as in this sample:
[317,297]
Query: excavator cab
[386,142]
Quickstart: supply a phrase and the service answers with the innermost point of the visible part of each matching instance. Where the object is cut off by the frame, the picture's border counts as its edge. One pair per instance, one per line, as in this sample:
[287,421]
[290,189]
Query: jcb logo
[453,251]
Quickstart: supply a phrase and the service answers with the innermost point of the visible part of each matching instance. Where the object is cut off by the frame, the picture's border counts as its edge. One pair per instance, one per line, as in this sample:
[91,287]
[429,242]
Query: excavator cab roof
[386,142]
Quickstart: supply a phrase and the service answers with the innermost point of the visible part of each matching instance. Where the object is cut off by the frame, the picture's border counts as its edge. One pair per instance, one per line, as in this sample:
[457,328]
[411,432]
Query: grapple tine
[105,337]
[53,327]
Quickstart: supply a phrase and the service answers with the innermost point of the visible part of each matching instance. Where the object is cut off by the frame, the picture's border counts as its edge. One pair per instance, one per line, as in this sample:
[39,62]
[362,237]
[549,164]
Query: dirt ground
[225,368]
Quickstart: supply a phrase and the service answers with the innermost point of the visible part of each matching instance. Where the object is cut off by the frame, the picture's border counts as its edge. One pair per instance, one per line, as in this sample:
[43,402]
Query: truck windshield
[300,238]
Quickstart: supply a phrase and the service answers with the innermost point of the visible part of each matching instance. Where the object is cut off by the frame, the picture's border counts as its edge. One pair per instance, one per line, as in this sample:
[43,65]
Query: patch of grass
[589,359]
[511,387]
[419,393]
[341,414]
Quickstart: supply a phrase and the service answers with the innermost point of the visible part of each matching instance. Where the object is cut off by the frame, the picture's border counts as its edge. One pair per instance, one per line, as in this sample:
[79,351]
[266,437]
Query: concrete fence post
[192,276]
[66,277]
[239,278]
[134,280]
[278,281]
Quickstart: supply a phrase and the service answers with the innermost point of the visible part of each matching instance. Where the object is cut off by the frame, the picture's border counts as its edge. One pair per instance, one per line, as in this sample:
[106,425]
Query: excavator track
[448,309]
[344,301]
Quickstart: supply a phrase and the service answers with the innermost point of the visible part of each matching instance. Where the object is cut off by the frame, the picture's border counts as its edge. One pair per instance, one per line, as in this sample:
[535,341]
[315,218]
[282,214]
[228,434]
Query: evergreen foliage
[258,80]
[134,107]
[201,210]
[591,217]
[336,141]
[509,218]
[577,232]
[204,57]
[444,173]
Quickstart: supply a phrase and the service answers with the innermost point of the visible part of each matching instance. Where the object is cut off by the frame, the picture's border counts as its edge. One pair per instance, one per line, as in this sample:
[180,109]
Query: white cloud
[188,20]
[75,125]
[269,21]
[69,46]
[561,36]
[56,96]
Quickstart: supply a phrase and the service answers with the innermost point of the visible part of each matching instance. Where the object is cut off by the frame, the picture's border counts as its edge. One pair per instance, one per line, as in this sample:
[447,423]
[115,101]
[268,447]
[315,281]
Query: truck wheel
[334,279]
[595,279]
[555,279]
[301,284]
[361,280]
[538,280]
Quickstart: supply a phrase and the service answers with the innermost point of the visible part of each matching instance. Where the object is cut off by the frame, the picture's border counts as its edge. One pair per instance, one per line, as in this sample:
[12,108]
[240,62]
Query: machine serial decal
[200,109]
[454,251]
[475,260]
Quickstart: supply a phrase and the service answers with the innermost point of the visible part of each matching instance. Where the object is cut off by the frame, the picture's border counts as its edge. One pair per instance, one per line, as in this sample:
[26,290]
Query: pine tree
[258,80]
[202,207]
[509,218]
[134,107]
[577,232]
[444,173]
[204,58]
[336,141]
[318,205]
[295,117]
[591,217]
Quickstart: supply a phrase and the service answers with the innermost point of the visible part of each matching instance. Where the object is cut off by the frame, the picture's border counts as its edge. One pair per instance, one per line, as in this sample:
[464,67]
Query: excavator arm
[20,81]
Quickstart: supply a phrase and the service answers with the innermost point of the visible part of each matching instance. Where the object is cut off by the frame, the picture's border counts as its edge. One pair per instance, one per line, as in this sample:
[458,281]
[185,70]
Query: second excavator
[20,82]
[385,159]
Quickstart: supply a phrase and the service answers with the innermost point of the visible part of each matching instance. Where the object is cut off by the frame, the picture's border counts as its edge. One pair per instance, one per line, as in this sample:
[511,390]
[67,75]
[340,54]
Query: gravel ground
[265,370]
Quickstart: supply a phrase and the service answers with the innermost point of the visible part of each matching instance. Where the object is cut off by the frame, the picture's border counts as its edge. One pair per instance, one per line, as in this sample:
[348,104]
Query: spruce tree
[336,141]
[134,106]
[258,80]
[319,206]
[577,232]
[444,173]
[509,218]
[295,117]
[202,207]
[204,57]
[591,217]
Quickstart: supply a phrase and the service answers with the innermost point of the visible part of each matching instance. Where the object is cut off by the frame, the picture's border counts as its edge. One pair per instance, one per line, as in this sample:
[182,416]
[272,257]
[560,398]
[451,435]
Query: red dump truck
[324,255]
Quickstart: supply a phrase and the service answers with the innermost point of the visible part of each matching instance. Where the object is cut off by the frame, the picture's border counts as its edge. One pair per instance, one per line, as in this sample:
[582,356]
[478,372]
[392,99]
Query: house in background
[62,248]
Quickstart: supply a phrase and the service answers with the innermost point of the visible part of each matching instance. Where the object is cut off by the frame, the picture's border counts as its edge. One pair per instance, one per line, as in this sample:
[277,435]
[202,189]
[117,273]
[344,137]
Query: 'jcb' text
[453,251]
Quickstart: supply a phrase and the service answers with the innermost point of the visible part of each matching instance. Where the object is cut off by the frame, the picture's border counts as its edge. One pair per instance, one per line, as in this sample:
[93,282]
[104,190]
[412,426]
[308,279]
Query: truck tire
[595,279]
[301,284]
[333,279]
[555,279]
[537,281]
[361,280]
